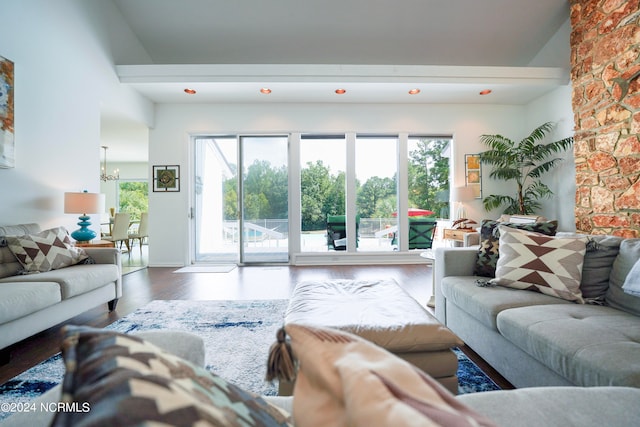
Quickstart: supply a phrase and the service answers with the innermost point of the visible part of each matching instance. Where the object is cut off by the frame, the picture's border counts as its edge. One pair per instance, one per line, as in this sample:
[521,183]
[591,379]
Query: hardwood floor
[243,283]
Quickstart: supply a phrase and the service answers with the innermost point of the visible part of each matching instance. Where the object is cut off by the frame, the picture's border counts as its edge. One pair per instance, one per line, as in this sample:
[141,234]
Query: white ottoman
[382,312]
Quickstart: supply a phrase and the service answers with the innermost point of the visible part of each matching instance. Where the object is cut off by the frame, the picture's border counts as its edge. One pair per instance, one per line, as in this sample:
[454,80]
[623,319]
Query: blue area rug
[237,337]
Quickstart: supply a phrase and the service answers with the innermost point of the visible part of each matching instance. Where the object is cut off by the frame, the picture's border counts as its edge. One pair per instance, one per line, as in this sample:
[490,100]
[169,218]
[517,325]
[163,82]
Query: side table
[457,234]
[430,255]
[96,244]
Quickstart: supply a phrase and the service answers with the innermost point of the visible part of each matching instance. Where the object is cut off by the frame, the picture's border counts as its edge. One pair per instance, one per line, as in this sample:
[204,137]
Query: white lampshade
[462,194]
[83,203]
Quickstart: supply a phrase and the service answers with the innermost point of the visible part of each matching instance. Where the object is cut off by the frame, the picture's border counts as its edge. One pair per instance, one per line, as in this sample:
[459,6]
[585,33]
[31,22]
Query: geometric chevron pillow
[118,379]
[44,251]
[536,262]
[489,250]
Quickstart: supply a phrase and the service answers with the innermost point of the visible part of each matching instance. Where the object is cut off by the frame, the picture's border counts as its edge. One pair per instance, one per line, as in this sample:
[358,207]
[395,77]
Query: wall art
[166,178]
[7,139]
[473,174]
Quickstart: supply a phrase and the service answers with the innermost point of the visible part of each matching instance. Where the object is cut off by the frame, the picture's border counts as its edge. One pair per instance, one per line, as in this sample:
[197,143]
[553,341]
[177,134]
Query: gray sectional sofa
[31,303]
[540,340]
[531,407]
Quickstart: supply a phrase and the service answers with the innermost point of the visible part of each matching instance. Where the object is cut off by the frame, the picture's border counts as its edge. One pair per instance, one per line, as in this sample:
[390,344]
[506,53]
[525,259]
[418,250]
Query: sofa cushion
[631,284]
[535,262]
[75,280]
[484,303]
[598,262]
[346,380]
[559,406]
[21,299]
[9,265]
[119,379]
[587,344]
[488,253]
[46,250]
[616,297]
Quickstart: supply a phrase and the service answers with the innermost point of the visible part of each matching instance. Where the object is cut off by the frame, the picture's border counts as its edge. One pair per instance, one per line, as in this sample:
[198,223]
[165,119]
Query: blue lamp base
[84,234]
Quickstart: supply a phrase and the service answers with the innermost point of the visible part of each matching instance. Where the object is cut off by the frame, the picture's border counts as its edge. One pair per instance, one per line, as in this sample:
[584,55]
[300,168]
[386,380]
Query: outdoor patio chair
[337,232]
[421,232]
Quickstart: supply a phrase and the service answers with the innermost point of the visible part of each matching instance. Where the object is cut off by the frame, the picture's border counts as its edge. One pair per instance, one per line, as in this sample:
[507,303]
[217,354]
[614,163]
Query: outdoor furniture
[421,231]
[337,232]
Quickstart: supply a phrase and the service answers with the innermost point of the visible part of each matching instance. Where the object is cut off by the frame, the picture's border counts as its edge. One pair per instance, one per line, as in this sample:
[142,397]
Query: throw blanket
[632,282]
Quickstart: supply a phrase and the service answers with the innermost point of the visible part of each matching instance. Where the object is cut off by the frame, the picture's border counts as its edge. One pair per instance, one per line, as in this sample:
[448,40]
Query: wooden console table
[96,244]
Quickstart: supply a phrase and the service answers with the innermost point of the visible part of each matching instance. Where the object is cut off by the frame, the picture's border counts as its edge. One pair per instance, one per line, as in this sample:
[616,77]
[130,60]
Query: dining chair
[120,230]
[142,232]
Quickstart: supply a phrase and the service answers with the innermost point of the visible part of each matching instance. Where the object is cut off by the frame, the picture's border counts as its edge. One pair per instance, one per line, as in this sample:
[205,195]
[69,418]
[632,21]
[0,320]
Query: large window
[376,173]
[351,190]
[322,188]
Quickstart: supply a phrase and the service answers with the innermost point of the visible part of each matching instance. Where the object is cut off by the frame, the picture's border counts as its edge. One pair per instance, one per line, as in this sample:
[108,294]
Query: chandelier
[103,173]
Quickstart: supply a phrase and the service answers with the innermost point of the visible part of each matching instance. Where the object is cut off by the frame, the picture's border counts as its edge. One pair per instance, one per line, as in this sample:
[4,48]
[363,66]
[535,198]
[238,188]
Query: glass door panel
[216,199]
[265,199]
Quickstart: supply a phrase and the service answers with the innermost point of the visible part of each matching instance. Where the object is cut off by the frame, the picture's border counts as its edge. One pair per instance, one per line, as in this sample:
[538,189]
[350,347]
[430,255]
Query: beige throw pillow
[344,380]
[536,262]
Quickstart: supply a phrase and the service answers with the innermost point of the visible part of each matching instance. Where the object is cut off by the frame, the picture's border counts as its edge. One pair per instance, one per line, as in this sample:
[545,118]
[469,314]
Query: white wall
[170,144]
[64,78]
[556,107]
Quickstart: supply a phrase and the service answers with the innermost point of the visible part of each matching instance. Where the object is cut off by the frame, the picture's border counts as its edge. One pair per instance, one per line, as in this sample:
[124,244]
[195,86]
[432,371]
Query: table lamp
[83,203]
[460,195]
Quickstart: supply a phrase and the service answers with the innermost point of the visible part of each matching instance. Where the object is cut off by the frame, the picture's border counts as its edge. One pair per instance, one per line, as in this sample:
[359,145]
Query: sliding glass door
[241,218]
[265,199]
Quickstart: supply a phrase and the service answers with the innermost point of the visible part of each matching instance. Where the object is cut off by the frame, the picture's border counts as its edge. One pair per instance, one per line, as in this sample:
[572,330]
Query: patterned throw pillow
[115,379]
[536,262]
[346,380]
[44,251]
[602,251]
[488,252]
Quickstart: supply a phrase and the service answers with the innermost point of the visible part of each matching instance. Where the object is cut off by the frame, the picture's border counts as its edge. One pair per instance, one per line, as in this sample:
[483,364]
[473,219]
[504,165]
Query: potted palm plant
[524,162]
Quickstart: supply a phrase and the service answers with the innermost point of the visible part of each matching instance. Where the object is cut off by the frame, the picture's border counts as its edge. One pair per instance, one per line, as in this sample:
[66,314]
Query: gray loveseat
[31,303]
[539,340]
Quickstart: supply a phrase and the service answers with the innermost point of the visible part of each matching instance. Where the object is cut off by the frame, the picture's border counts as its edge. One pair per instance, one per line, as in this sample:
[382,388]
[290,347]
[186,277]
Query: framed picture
[473,173]
[166,178]
[7,142]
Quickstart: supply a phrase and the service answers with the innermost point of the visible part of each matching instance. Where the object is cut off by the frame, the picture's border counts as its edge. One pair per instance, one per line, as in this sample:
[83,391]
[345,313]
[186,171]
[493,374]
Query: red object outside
[416,212]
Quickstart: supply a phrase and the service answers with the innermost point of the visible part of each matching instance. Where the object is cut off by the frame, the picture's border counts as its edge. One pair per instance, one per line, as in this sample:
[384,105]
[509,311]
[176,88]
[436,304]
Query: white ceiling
[376,49]
[411,32]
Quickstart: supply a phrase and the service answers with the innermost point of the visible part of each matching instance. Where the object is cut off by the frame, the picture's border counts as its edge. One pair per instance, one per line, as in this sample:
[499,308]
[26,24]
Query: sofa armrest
[108,256]
[471,239]
[104,255]
[450,261]
[183,344]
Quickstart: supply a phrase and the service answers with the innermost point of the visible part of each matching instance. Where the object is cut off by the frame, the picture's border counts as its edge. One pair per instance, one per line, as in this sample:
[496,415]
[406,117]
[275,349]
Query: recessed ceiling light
[265,90]
[341,91]
[485,92]
[414,91]
[190,91]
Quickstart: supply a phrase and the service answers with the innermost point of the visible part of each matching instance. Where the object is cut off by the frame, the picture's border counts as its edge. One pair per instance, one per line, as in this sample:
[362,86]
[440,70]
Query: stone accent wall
[605,69]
